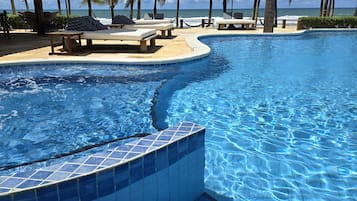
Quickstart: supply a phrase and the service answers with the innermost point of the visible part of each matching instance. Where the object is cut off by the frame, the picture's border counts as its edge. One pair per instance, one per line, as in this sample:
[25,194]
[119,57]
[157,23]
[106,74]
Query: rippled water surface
[281,117]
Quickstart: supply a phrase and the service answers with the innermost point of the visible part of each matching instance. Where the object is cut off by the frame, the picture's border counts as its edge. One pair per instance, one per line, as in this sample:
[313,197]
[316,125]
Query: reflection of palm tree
[155,5]
[13,8]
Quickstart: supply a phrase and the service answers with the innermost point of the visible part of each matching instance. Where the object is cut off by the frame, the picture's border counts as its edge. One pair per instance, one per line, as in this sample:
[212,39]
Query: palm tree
[27,5]
[68,7]
[327,8]
[225,6]
[269,16]
[155,5]
[13,8]
[130,3]
[59,7]
[210,11]
[355,11]
[138,15]
[112,4]
[177,12]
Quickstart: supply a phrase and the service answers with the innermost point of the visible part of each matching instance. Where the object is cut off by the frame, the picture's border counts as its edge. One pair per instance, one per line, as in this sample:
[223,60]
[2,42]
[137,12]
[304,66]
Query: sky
[184,4]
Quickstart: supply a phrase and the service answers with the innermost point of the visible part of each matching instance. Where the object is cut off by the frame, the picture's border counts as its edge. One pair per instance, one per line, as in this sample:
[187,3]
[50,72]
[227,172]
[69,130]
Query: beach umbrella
[177,12]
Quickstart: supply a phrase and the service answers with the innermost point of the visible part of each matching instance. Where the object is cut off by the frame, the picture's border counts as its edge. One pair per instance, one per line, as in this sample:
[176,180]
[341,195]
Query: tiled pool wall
[168,165]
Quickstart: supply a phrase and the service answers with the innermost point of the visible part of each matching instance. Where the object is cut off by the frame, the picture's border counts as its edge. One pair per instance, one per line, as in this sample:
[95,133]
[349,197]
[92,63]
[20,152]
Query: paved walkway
[28,47]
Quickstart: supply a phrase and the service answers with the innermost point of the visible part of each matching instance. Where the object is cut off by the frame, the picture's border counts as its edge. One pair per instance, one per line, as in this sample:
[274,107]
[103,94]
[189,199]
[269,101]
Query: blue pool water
[280,112]
[281,118]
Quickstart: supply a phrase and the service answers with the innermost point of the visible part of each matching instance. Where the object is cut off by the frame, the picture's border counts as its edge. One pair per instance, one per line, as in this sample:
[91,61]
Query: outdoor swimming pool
[280,112]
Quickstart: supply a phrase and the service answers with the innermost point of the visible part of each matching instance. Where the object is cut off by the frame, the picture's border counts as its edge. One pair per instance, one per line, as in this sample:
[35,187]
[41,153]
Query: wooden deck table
[68,40]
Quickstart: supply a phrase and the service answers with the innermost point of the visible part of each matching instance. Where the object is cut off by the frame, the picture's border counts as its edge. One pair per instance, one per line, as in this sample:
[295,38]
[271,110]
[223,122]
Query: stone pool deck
[27,46]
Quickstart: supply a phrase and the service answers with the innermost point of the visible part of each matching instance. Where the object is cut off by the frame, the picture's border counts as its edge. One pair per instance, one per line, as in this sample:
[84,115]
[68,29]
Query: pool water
[280,112]
[281,117]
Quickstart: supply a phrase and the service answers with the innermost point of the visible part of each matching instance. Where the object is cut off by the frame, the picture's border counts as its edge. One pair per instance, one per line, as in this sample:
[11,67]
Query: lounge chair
[236,18]
[122,21]
[94,30]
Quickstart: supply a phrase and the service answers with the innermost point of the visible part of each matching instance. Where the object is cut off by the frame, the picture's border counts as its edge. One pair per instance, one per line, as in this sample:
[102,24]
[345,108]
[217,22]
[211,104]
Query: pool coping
[199,50]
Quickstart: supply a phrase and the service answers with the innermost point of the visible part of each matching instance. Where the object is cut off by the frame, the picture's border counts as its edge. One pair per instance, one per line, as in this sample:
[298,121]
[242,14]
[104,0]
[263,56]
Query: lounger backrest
[84,23]
[238,15]
[121,19]
[159,16]
[227,15]
[148,16]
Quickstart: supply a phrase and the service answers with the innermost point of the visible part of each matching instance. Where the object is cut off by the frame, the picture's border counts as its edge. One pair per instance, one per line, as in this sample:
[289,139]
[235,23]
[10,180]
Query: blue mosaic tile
[121,176]
[105,182]
[159,143]
[161,159]
[103,154]
[69,167]
[182,148]
[168,133]
[29,183]
[41,175]
[3,190]
[136,170]
[5,198]
[24,174]
[58,176]
[110,162]
[85,169]
[182,128]
[47,193]
[196,128]
[87,188]
[125,148]
[140,149]
[172,153]
[131,155]
[11,182]
[151,137]
[25,196]
[118,155]
[68,190]
[94,161]
[145,142]
[149,164]
[165,138]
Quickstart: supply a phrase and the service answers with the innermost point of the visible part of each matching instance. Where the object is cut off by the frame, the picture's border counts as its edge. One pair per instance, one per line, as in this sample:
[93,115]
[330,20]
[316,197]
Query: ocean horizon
[191,13]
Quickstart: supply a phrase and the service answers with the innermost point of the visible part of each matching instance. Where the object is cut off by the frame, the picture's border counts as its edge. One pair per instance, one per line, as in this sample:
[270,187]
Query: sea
[193,13]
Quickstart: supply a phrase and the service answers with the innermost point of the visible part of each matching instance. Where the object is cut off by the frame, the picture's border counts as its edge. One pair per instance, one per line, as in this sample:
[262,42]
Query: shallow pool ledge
[168,165]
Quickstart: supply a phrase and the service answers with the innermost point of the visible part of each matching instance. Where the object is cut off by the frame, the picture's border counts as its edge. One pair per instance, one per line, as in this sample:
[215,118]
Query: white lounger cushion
[235,21]
[161,26]
[141,21]
[118,34]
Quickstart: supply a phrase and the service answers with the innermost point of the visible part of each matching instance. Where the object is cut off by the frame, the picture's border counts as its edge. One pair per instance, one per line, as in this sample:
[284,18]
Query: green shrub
[16,22]
[327,22]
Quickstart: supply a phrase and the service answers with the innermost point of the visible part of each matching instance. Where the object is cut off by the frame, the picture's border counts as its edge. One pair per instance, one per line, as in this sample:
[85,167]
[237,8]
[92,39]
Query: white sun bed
[245,22]
[165,28]
[141,35]
[143,21]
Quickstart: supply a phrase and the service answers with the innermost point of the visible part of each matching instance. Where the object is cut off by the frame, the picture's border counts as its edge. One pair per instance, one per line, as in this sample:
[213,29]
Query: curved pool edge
[199,50]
